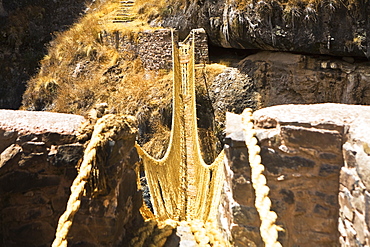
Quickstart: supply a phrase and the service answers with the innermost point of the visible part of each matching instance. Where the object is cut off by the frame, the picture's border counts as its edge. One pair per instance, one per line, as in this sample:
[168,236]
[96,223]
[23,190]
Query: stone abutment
[316,161]
[316,164]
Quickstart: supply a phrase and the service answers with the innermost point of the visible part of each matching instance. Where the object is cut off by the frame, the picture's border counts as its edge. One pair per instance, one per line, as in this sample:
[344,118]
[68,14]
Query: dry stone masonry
[38,158]
[316,161]
[154,47]
[317,167]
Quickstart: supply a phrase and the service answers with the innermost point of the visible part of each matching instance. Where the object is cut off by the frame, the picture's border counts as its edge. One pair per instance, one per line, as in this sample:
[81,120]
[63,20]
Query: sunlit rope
[269,230]
[107,128]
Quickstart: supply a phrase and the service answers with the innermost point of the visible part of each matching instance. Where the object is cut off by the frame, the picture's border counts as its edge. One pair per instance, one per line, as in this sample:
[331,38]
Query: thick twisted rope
[106,128]
[155,233]
[269,230]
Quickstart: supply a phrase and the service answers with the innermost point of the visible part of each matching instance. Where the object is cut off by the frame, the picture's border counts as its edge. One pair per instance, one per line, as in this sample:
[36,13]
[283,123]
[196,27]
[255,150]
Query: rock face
[38,158]
[283,78]
[317,169]
[26,26]
[154,47]
[274,78]
[324,27]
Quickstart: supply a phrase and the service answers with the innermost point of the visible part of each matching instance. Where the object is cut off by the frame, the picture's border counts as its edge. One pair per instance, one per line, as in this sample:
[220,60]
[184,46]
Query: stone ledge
[323,116]
[312,155]
[25,122]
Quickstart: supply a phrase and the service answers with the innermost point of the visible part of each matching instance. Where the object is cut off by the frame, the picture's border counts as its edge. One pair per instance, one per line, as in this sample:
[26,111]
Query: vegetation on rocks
[80,71]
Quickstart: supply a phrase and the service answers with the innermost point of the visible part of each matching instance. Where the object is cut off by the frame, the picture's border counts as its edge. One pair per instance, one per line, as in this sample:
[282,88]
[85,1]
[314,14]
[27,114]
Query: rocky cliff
[316,163]
[315,159]
[26,28]
[338,28]
[39,156]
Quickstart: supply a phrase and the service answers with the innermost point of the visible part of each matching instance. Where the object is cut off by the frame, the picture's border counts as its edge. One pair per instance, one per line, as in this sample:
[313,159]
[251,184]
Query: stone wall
[154,47]
[317,169]
[201,45]
[38,158]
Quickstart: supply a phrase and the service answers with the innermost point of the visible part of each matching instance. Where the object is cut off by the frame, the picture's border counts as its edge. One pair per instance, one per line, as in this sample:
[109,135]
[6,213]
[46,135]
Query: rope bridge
[182,185]
[185,191]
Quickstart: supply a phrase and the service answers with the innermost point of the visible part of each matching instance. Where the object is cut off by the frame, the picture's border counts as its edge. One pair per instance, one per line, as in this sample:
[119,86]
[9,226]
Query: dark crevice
[228,56]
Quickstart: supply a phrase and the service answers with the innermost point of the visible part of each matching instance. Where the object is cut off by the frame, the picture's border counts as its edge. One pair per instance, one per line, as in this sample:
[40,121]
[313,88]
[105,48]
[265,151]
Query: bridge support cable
[182,185]
[109,127]
[269,230]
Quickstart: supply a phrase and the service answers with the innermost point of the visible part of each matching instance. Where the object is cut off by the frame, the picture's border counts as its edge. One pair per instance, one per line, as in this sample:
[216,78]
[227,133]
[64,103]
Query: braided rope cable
[106,128]
[207,234]
[154,233]
[269,230]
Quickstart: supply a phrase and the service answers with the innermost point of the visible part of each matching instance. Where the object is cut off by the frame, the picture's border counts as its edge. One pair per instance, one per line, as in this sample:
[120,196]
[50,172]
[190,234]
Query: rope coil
[269,230]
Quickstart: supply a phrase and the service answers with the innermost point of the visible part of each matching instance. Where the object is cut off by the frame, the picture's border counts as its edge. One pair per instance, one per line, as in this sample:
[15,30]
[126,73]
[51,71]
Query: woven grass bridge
[185,191]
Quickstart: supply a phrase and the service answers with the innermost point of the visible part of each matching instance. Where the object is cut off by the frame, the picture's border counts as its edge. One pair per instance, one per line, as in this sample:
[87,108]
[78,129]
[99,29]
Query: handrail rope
[166,176]
[155,233]
[269,230]
[105,129]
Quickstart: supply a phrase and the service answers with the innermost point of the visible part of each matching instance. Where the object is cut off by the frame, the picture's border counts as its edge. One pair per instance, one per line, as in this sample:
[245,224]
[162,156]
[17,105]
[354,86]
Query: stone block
[243,193]
[7,138]
[26,213]
[345,202]
[320,239]
[325,140]
[328,156]
[274,162]
[348,177]
[367,209]
[33,147]
[67,155]
[10,156]
[359,226]
[349,155]
[31,160]
[57,139]
[20,181]
[363,165]
[287,196]
[358,200]
[246,236]
[59,202]
[341,228]
[244,215]
[16,181]
[324,225]
[322,211]
[300,208]
[38,232]
[28,138]
[329,170]
[351,232]
[28,198]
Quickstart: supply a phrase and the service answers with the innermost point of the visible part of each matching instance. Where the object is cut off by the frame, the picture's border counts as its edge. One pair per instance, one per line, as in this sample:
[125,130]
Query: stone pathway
[124,14]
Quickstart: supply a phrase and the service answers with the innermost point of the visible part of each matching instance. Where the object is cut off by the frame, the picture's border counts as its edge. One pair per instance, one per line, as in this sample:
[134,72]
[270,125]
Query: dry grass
[294,9]
[150,10]
[79,71]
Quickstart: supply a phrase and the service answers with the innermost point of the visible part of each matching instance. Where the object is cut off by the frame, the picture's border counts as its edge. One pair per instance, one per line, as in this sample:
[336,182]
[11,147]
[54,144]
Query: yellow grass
[76,72]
